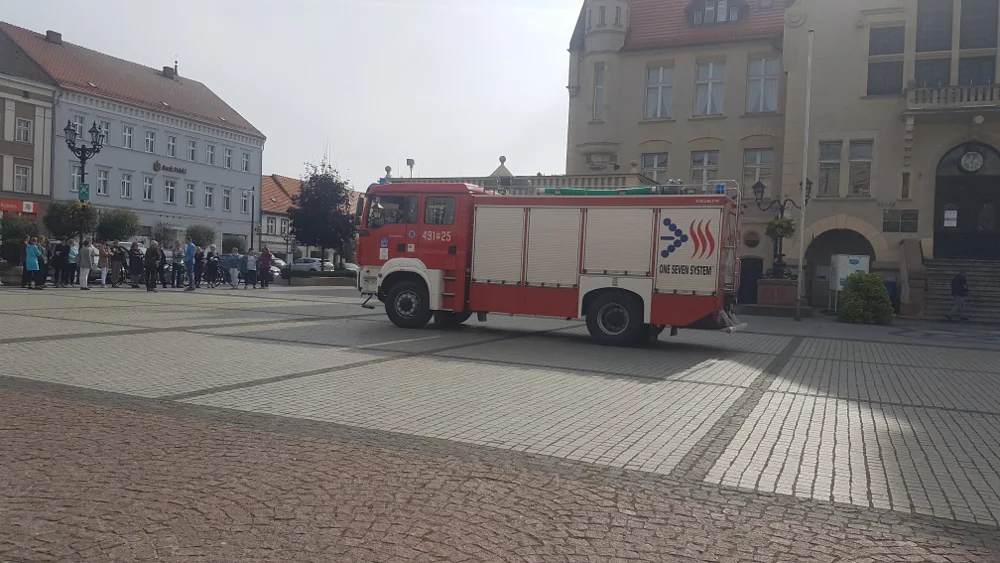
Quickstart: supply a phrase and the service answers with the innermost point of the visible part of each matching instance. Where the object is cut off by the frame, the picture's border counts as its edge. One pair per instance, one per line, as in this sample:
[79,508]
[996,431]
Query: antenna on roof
[175,64]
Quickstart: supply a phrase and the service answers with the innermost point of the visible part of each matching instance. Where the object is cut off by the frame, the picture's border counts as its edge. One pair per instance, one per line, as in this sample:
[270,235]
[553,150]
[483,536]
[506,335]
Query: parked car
[312,265]
[281,264]
[351,267]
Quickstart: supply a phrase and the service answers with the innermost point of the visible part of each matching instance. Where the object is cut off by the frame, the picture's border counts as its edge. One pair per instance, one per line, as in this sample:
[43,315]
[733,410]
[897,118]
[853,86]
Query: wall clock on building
[971,162]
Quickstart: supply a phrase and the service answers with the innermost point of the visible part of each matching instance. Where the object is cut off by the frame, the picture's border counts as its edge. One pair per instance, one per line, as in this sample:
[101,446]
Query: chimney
[169,72]
[53,37]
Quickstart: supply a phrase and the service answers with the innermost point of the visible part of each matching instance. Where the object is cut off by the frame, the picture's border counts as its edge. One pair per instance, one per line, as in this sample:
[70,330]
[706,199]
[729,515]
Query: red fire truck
[631,265]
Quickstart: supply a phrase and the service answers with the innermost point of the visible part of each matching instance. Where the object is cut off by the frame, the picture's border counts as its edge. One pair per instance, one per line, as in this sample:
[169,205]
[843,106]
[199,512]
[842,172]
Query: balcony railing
[953,98]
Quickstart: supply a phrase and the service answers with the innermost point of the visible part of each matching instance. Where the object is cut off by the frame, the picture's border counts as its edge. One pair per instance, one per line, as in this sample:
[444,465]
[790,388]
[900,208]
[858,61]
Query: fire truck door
[393,222]
[438,236]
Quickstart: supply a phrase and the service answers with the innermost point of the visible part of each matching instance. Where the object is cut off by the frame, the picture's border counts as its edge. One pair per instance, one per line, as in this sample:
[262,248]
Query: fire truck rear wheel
[408,305]
[615,319]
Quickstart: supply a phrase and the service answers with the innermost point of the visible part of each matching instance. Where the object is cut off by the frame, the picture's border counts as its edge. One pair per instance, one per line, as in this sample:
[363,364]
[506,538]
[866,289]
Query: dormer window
[710,12]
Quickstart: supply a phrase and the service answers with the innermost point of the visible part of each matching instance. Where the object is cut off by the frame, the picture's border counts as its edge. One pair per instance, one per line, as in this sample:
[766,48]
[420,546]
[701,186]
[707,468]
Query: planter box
[11,275]
[321,281]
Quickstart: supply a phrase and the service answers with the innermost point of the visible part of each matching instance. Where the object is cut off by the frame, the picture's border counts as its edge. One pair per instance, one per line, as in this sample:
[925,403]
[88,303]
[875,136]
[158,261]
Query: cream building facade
[904,121]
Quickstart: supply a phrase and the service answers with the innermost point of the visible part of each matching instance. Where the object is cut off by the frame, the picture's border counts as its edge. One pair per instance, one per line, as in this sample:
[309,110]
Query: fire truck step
[481,317]
[447,295]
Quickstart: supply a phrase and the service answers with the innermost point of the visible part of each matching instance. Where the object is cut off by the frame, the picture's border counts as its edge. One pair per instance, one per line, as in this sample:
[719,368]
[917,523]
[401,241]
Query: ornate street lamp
[779,269]
[289,238]
[84,153]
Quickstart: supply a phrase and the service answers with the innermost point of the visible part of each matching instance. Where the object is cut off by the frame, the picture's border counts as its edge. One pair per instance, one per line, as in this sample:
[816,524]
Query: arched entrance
[966,203]
[819,253]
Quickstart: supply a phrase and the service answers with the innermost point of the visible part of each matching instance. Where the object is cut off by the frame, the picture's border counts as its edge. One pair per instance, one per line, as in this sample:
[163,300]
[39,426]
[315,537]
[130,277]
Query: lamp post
[83,153]
[289,237]
[253,223]
[779,270]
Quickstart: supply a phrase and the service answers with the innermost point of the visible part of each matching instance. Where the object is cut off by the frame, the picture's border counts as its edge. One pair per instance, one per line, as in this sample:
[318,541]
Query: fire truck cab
[629,265]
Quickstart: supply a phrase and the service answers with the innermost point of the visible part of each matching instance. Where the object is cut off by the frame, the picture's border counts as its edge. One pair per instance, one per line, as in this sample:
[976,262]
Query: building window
[76,178]
[751,240]
[126,186]
[244,202]
[209,197]
[979,24]
[22,131]
[270,225]
[227,158]
[654,166]
[147,188]
[934,25]
[227,199]
[932,73]
[904,192]
[861,169]
[170,191]
[192,150]
[106,132]
[618,15]
[127,136]
[886,40]
[79,123]
[602,15]
[885,79]
[704,167]
[977,71]
[439,211]
[659,92]
[22,179]
[762,85]
[172,146]
[589,19]
[710,92]
[189,195]
[598,91]
[900,220]
[102,182]
[707,12]
[829,169]
[210,155]
[757,167]
[246,162]
[150,141]
[284,226]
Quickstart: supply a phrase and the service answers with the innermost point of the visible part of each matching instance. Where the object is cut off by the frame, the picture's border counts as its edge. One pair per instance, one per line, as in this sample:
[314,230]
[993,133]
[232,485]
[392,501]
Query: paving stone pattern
[294,426]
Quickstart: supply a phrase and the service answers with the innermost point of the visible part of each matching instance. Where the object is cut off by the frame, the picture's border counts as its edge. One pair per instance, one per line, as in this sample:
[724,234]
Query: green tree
[13,229]
[64,219]
[321,215]
[200,235]
[118,224]
[229,242]
[164,234]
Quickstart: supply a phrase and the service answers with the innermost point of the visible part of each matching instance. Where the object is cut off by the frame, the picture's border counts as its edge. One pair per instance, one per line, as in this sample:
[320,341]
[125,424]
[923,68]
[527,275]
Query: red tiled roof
[278,191]
[664,23]
[76,68]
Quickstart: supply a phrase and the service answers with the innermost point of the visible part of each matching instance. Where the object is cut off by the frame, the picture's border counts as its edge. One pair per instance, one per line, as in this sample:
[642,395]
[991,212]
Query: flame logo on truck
[704,242]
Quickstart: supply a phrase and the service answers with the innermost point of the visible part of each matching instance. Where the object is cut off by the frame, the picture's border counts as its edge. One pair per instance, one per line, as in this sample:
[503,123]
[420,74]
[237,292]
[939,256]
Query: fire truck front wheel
[408,305]
[615,319]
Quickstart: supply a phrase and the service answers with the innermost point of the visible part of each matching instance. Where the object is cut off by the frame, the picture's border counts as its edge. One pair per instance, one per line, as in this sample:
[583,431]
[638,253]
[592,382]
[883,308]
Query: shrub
[13,229]
[780,228]
[201,236]
[865,301]
[230,242]
[118,224]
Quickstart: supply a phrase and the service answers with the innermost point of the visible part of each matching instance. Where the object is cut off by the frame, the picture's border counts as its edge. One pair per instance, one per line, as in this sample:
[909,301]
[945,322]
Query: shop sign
[157,167]
[17,206]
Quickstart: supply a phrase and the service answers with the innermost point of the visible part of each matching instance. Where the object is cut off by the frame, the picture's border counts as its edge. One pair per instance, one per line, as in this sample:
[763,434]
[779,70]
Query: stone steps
[983,303]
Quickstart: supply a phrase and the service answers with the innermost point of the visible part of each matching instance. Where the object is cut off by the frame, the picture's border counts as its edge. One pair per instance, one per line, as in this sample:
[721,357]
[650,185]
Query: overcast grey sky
[453,84]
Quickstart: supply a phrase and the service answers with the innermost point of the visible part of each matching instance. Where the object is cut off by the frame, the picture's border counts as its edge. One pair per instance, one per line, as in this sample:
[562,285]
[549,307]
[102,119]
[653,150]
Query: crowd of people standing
[190,266]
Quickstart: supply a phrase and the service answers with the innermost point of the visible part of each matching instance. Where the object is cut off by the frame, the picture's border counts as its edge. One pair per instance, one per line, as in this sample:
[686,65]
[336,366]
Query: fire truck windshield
[392,210]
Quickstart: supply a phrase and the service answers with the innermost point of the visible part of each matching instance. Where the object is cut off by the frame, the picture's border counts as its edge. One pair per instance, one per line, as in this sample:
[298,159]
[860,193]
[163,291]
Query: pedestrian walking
[161,269]
[135,265]
[73,274]
[151,263]
[234,267]
[264,266]
[199,266]
[177,260]
[118,259]
[26,275]
[86,261]
[249,267]
[60,262]
[31,255]
[189,250]
[959,292]
[103,262]
[211,265]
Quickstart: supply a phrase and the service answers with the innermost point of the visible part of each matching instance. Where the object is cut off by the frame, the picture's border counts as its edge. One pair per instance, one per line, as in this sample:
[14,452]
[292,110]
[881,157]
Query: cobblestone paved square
[292,425]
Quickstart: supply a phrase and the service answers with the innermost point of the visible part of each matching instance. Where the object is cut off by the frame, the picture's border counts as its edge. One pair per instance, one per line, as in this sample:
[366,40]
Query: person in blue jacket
[189,251]
[32,254]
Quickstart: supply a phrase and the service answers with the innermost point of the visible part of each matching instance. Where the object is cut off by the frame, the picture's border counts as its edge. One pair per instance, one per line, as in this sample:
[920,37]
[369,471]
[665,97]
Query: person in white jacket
[86,262]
